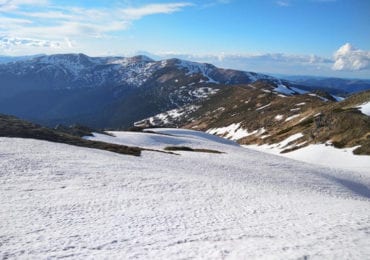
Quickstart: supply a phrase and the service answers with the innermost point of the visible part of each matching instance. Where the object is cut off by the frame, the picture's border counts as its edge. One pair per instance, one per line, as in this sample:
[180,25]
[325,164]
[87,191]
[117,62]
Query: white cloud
[267,62]
[9,5]
[137,13]
[53,23]
[350,58]
[69,42]
[10,43]
[5,22]
[270,63]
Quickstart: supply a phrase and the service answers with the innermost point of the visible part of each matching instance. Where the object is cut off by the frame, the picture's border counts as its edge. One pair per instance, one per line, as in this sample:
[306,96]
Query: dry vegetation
[14,127]
[257,107]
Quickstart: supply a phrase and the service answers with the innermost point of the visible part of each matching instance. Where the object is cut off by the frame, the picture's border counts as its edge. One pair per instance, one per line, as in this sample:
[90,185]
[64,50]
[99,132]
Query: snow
[232,132]
[338,98]
[85,203]
[284,90]
[279,117]
[291,138]
[167,137]
[203,92]
[62,201]
[365,108]
[291,117]
[197,68]
[263,107]
[323,155]
[298,90]
[168,117]
[320,97]
[94,71]
[303,118]
[257,76]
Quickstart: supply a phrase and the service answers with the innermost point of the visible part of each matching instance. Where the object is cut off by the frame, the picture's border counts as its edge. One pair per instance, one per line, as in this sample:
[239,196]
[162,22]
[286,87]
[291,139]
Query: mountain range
[108,91]
[248,107]
[336,86]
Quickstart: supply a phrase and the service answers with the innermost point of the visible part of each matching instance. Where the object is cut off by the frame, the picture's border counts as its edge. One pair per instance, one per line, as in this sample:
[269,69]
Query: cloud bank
[277,63]
[350,58]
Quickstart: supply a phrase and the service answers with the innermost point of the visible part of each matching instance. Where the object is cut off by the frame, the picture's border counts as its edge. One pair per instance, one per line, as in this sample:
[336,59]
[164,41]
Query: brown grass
[14,127]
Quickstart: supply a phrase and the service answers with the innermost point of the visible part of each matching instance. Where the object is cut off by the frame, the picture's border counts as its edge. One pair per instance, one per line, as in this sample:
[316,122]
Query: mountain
[70,192]
[259,113]
[107,91]
[336,86]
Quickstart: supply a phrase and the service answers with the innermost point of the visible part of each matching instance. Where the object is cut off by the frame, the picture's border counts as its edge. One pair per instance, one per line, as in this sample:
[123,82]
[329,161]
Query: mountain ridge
[258,114]
[108,91]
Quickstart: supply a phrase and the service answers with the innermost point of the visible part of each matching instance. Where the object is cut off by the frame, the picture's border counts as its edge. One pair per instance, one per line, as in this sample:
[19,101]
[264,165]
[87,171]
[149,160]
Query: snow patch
[198,68]
[291,117]
[338,98]
[285,142]
[284,90]
[263,107]
[279,117]
[365,108]
[298,90]
[232,132]
[320,97]
[323,155]
[168,117]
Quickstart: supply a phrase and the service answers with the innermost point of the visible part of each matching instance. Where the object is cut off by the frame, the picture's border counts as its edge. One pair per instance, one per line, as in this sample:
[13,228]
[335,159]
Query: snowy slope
[84,203]
[365,108]
[320,154]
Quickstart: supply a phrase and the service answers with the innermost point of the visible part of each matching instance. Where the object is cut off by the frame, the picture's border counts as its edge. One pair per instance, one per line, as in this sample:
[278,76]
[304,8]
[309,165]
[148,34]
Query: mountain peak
[141,58]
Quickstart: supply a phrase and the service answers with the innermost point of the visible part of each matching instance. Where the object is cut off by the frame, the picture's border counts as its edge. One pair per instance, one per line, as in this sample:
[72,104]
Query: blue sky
[309,37]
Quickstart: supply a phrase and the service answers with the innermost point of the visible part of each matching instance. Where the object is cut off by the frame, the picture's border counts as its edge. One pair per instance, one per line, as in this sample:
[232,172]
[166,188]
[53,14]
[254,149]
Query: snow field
[65,201]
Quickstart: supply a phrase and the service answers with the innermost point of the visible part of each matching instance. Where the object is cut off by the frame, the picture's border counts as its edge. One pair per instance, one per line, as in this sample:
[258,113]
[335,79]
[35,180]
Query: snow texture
[365,108]
[320,97]
[198,68]
[168,117]
[96,71]
[279,117]
[338,98]
[263,107]
[284,90]
[323,155]
[232,132]
[291,117]
[298,90]
[61,201]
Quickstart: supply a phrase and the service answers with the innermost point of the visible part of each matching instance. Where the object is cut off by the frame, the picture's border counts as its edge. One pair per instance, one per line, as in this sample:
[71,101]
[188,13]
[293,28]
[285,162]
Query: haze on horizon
[294,37]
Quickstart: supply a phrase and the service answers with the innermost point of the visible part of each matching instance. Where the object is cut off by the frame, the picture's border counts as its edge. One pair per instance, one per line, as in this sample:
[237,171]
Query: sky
[293,37]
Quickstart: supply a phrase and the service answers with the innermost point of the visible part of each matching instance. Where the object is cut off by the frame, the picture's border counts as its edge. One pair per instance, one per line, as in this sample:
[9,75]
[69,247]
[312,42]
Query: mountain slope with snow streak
[107,92]
[83,203]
